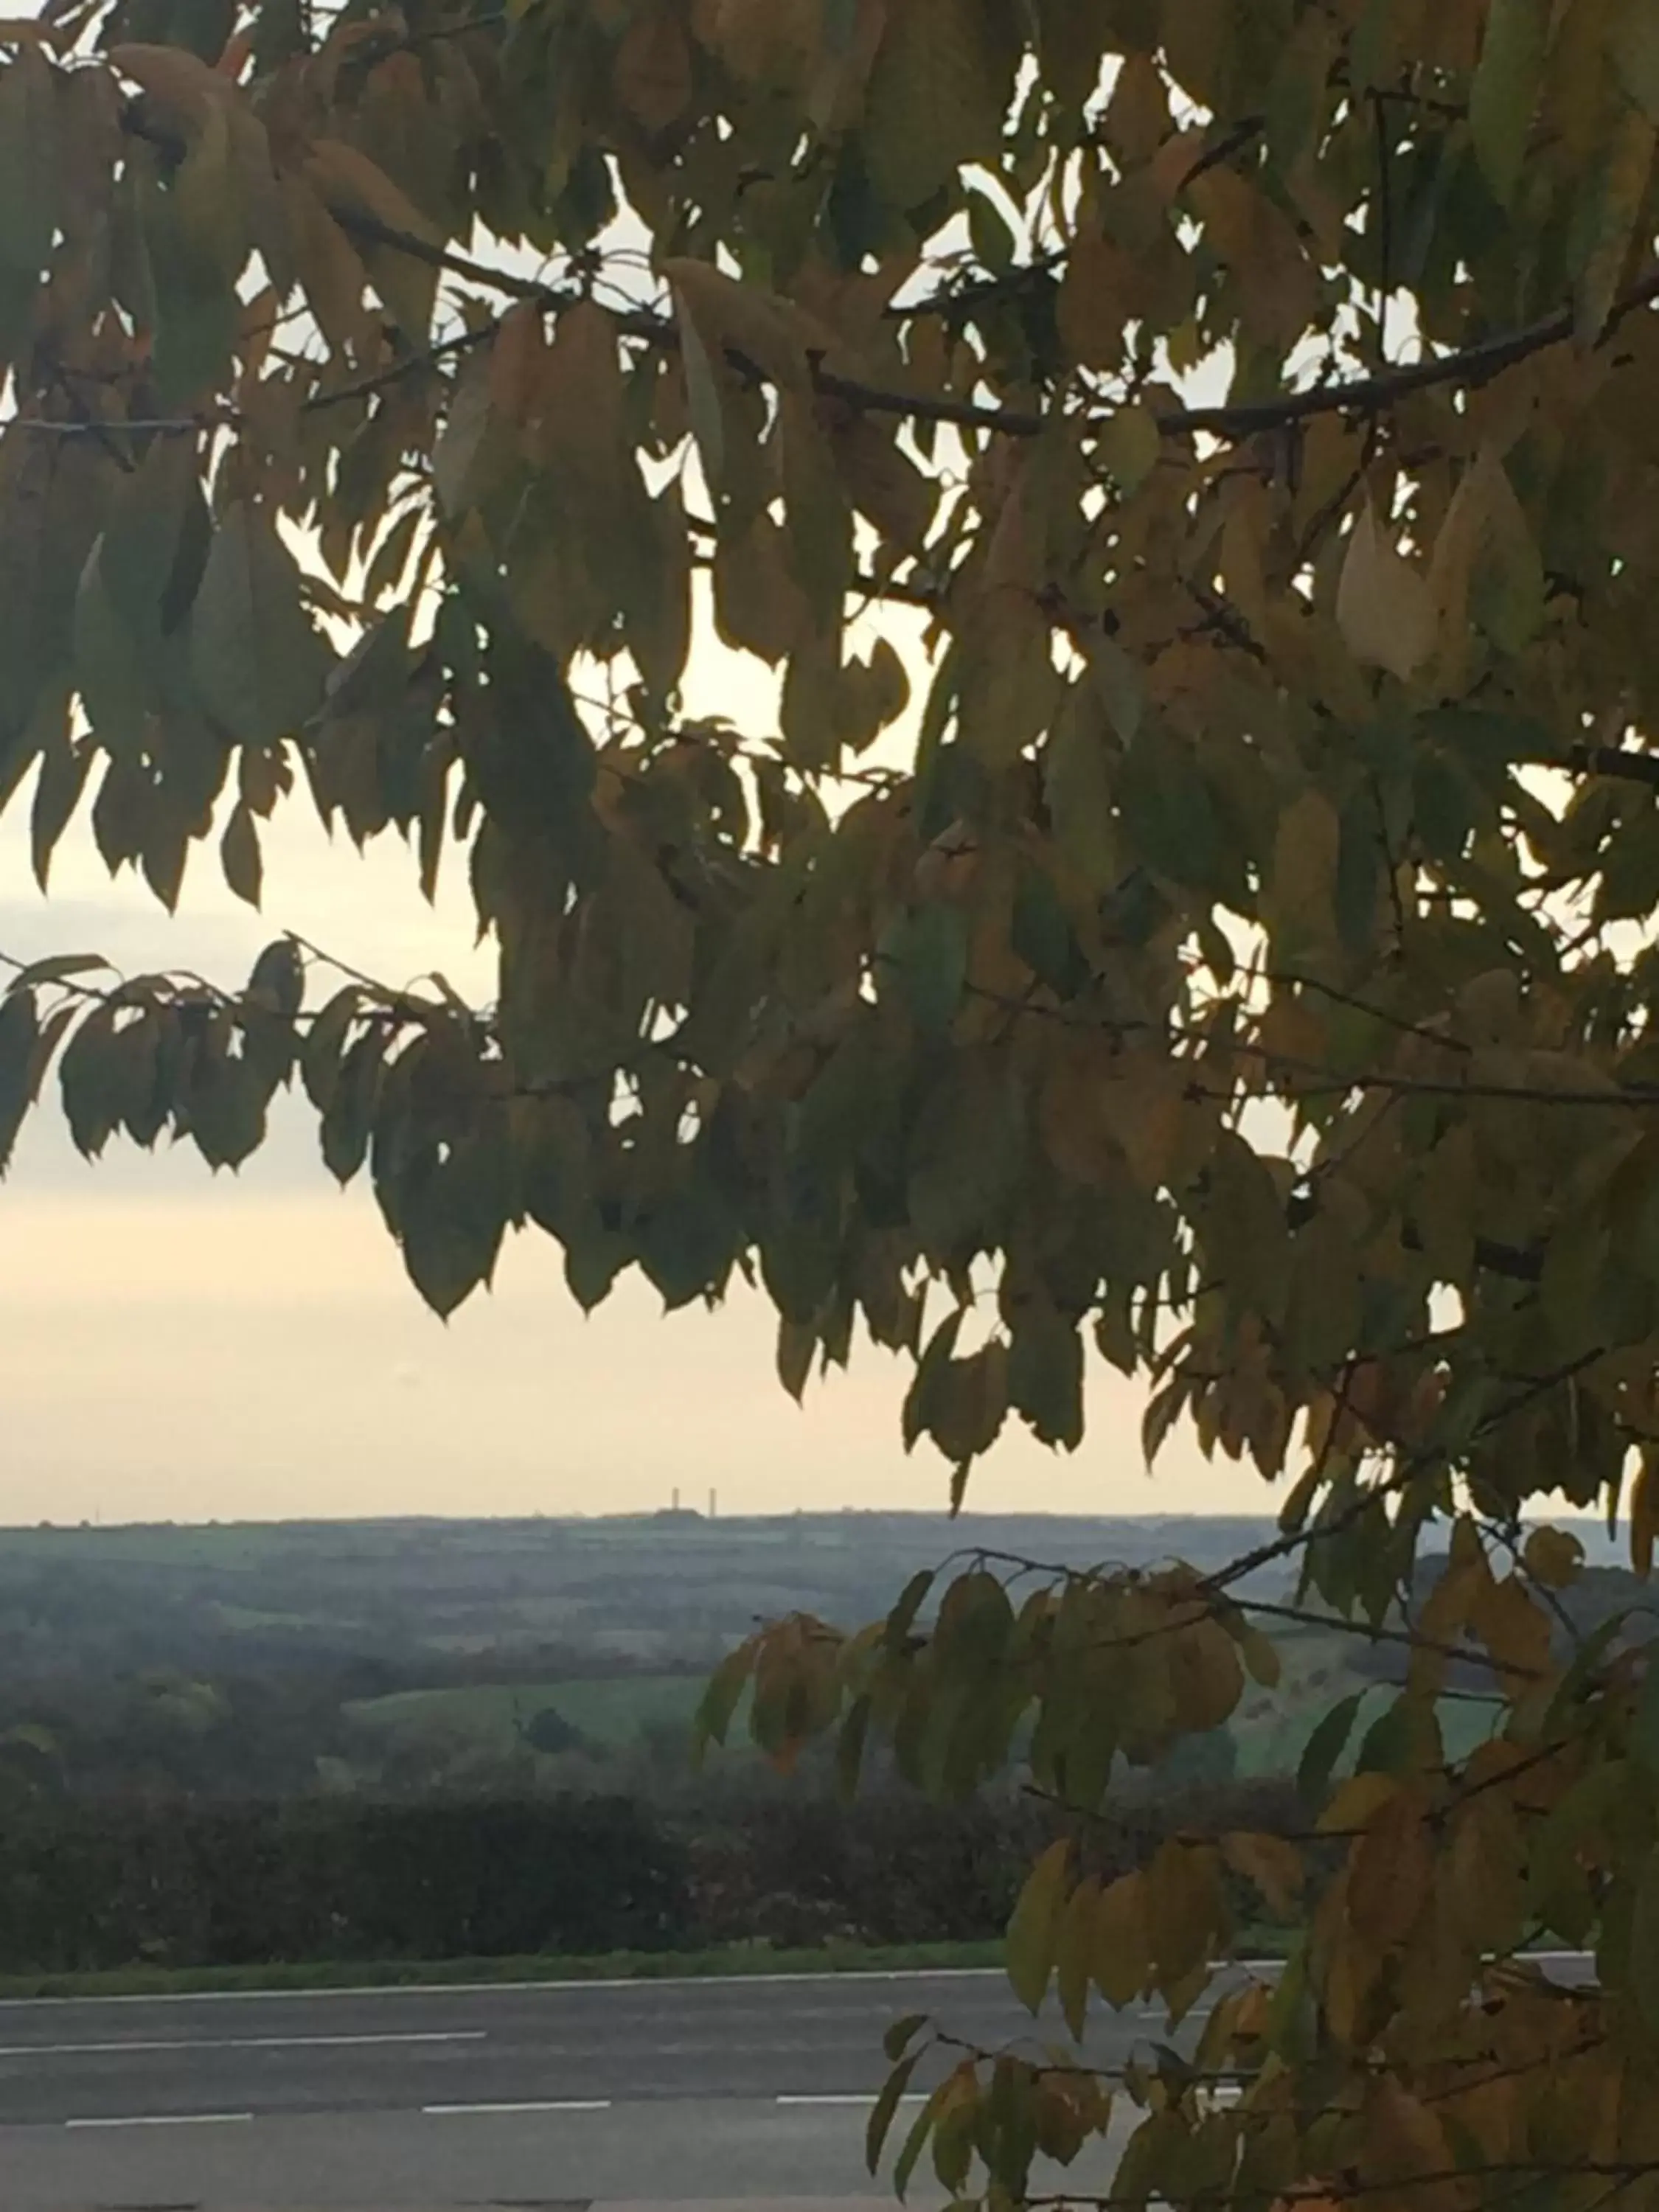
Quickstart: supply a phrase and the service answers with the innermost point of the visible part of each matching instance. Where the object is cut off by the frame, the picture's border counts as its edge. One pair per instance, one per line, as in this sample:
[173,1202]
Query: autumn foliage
[1186,470]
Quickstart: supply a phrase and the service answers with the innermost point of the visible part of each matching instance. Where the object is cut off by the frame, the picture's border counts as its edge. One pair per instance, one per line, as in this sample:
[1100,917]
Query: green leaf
[279,980]
[1045,1373]
[937,95]
[916,2141]
[899,1623]
[20,1033]
[320,1065]
[155,541]
[1389,1744]
[1129,445]
[452,1215]
[927,955]
[29,187]
[886,2106]
[226,1109]
[932,1370]
[57,968]
[62,779]
[110,669]
[1034,1931]
[260,665]
[1504,95]
[1260,1654]
[1077,785]
[898,2036]
[1325,1747]
[93,1078]
[191,247]
[704,399]
[722,1696]
[850,1746]
[240,853]
[349,1117]
[1166,808]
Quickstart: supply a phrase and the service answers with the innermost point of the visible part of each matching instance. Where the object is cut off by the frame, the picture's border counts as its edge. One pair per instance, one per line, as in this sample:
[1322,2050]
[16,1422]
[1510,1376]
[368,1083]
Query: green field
[613,1712]
[1271,1728]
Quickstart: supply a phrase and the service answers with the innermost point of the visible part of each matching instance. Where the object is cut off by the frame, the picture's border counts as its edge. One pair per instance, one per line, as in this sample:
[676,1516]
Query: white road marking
[166,2120]
[917,2096]
[546,2105]
[236,2043]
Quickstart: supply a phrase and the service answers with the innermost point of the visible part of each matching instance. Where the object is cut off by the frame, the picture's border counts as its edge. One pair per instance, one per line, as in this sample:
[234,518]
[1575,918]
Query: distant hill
[646,1590]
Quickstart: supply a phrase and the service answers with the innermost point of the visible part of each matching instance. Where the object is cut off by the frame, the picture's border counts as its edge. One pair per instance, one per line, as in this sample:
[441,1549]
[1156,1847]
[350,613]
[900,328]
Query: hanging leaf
[1619,193]
[20,1031]
[1503,96]
[1034,1931]
[259,665]
[29,187]
[240,853]
[926,956]
[1384,609]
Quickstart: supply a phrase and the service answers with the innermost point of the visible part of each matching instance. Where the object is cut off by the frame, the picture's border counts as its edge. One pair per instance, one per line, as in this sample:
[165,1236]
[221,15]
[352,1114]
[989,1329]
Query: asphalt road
[563,2094]
[406,2100]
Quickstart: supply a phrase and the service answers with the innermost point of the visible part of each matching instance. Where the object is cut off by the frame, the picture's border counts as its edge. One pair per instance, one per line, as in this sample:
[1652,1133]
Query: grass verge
[412,1973]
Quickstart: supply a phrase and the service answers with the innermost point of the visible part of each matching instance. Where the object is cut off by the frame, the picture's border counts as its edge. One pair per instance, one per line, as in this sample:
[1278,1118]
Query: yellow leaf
[1119,1962]
[172,76]
[1274,282]
[1384,608]
[1206,1676]
[1184,1911]
[351,186]
[654,70]
[1405,2144]
[1553,1557]
[1451,566]
[517,360]
[1273,1866]
[1301,905]
[1620,191]
[1356,1802]
[1075,1948]
[1145,1105]
[766,42]
[758,605]
[1129,445]
[348,180]
[1094,304]
[745,319]
[1515,1630]
[329,268]
[1034,1931]
[1390,1874]
[883,481]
